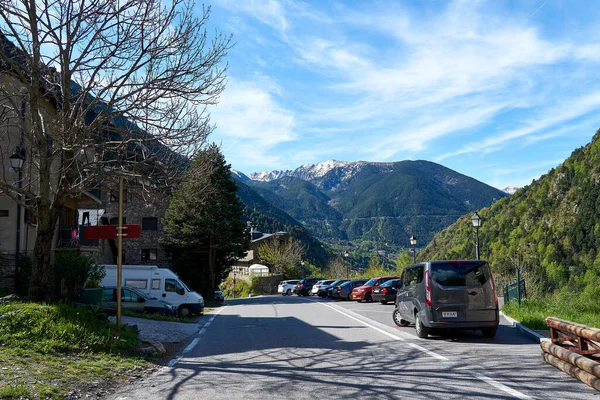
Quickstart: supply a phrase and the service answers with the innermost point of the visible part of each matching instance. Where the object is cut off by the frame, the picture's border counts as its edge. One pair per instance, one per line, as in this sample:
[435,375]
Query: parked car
[364,293]
[342,292]
[333,287]
[386,292]
[305,285]
[318,285]
[286,287]
[325,289]
[219,295]
[135,300]
[448,295]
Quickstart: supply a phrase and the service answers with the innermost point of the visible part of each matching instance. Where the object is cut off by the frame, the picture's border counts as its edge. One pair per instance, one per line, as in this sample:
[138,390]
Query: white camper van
[161,283]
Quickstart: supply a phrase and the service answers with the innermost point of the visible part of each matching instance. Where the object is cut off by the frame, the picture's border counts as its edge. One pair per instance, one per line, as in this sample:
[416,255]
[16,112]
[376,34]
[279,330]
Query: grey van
[447,295]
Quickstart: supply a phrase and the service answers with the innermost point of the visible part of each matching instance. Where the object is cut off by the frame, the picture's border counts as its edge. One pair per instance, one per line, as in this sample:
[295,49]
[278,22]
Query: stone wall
[141,202]
[267,284]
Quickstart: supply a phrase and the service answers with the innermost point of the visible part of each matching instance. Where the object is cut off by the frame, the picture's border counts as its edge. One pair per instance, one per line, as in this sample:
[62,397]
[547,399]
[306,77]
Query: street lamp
[302,267]
[477,222]
[347,264]
[16,165]
[413,243]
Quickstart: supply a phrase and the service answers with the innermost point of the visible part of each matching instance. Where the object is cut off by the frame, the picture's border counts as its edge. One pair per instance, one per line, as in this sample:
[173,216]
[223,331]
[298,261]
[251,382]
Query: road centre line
[481,377]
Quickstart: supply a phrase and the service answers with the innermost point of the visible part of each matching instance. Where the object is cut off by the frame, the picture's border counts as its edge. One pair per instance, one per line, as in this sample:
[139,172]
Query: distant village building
[242,267]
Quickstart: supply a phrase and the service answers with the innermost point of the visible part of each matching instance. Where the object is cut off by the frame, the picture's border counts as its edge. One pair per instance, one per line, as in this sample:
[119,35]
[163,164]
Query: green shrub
[242,288]
[70,273]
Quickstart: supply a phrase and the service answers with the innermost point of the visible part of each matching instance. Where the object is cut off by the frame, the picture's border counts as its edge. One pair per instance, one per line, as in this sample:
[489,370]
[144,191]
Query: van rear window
[460,274]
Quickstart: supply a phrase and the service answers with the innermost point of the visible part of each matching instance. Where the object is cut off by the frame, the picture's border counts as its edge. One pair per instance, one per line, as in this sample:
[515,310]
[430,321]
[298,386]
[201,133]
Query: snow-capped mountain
[312,172]
[510,190]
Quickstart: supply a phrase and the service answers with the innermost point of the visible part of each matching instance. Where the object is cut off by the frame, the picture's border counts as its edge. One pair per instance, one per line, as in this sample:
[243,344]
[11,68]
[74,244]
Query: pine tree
[203,225]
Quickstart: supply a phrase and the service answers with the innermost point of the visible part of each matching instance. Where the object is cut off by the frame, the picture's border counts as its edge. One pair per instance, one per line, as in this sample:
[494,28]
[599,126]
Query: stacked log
[566,356]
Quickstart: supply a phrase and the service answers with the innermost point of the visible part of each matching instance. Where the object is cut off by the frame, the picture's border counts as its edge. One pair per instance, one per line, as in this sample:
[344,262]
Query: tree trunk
[47,217]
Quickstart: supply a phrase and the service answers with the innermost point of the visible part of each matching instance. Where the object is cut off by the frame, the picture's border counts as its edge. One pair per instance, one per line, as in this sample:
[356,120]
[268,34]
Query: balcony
[73,236]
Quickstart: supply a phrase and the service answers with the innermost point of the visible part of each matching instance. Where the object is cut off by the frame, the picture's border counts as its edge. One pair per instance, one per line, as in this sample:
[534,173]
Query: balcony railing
[73,236]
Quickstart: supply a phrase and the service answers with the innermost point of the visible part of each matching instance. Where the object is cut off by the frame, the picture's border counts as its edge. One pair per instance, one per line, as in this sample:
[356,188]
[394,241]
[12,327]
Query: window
[173,285]
[137,283]
[115,221]
[156,284]
[459,274]
[129,296]
[150,224]
[149,254]
[114,196]
[108,295]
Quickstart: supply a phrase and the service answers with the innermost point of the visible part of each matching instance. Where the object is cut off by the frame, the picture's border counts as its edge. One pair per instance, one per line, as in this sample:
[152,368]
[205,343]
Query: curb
[523,328]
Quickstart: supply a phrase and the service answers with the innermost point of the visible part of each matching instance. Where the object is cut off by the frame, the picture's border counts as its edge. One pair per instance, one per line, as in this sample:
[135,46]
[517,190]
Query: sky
[501,91]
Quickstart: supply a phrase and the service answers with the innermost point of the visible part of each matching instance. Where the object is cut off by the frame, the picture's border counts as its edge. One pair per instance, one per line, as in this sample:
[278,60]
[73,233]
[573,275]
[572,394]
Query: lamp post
[234,270]
[413,243]
[302,268]
[477,222]
[347,264]
[16,165]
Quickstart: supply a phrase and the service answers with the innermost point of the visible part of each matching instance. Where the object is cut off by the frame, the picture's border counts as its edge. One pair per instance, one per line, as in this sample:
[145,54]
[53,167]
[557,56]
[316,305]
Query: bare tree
[105,86]
[337,268]
[282,256]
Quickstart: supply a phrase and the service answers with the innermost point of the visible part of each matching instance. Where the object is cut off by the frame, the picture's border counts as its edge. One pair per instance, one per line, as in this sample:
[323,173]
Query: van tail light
[384,290]
[428,289]
[494,287]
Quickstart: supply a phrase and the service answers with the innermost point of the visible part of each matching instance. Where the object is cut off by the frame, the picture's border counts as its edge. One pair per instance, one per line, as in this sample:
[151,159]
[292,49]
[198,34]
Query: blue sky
[501,91]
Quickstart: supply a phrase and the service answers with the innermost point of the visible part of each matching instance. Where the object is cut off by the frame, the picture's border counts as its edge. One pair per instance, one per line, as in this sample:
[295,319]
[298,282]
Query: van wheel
[398,319]
[422,331]
[489,332]
[184,312]
[383,301]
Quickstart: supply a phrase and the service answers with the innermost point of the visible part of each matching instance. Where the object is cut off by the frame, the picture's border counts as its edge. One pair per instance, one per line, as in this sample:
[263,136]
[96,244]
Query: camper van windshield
[187,289]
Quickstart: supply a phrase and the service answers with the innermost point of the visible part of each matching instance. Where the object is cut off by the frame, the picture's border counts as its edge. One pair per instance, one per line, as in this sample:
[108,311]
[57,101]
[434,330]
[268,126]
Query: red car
[363,293]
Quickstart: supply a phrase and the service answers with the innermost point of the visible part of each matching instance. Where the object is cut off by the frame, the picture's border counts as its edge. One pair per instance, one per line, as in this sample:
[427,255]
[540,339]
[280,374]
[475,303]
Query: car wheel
[398,319]
[289,292]
[383,302]
[368,298]
[184,312]
[422,331]
[489,332]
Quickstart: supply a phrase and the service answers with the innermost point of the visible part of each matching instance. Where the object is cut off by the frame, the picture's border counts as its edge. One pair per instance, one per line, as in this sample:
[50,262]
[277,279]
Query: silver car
[133,299]
[287,287]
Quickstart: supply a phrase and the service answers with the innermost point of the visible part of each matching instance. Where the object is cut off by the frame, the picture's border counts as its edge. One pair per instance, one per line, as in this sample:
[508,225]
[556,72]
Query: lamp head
[413,240]
[476,220]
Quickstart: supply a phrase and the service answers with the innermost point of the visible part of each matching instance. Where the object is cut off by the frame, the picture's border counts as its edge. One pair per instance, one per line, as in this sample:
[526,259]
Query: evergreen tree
[203,225]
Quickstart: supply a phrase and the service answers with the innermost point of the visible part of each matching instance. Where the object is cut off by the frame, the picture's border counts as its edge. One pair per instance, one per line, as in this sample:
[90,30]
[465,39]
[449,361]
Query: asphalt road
[277,347]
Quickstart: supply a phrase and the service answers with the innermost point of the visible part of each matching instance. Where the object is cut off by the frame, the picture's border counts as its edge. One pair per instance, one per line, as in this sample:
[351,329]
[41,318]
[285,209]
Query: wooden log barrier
[572,370]
[583,338]
[584,363]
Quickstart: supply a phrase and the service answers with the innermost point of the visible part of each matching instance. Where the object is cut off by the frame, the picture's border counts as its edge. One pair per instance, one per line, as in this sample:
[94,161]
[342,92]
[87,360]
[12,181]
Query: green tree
[283,257]
[403,260]
[203,225]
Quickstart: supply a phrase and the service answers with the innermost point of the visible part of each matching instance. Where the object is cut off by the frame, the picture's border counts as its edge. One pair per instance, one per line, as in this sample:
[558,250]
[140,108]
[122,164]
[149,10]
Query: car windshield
[371,282]
[389,283]
[459,274]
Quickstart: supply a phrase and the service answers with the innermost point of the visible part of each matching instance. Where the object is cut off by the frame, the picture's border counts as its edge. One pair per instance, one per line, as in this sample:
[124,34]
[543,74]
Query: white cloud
[250,118]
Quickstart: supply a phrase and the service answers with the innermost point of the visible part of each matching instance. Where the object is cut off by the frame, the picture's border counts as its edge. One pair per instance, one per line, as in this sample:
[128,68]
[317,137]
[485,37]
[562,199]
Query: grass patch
[48,351]
[533,312]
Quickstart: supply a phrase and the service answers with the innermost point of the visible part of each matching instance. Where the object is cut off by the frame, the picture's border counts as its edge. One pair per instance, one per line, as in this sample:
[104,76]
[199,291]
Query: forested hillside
[550,229]
[271,219]
[375,203]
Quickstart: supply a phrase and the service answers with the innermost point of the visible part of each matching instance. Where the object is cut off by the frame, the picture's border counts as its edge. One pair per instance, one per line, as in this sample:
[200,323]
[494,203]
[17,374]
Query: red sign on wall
[130,231]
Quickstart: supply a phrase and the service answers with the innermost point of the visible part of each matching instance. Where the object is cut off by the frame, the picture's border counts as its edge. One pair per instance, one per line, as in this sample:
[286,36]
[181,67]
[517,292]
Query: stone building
[144,205]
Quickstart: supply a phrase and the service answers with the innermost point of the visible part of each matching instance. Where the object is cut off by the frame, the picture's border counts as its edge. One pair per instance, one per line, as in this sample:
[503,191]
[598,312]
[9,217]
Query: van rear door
[462,291]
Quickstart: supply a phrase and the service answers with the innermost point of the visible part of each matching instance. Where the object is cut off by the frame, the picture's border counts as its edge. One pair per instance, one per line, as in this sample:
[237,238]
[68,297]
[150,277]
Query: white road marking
[504,388]
[388,334]
[484,378]
[196,340]
[191,345]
